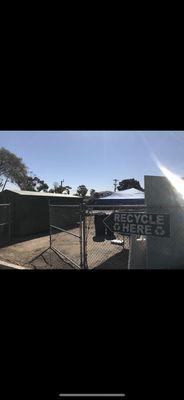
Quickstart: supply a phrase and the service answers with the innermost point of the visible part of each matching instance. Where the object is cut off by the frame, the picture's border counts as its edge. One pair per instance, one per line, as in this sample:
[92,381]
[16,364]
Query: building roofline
[40,194]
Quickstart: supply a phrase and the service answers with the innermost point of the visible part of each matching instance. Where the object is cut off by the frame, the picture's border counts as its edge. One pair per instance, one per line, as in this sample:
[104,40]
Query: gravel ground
[102,255]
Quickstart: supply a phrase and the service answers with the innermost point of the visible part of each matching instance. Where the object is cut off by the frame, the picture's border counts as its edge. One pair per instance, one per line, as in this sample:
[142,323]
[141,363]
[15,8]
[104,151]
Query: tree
[92,192]
[12,168]
[33,183]
[82,190]
[28,183]
[66,189]
[56,185]
[42,186]
[60,188]
[129,184]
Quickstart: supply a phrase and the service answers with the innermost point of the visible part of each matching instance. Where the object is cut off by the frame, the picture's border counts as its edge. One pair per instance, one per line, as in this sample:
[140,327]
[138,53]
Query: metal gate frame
[83,209]
[80,236]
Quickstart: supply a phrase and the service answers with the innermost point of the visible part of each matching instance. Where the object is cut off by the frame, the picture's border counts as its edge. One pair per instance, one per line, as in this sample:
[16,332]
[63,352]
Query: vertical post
[50,237]
[9,222]
[50,243]
[84,236]
[80,234]
[130,251]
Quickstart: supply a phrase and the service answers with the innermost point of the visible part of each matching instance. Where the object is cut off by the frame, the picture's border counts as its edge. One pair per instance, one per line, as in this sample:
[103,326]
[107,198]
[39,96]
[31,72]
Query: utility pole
[62,182]
[115,183]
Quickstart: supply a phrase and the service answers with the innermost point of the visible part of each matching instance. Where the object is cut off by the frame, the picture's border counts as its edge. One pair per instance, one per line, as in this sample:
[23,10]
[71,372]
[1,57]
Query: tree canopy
[12,168]
[82,190]
[92,192]
[129,184]
[60,188]
[33,183]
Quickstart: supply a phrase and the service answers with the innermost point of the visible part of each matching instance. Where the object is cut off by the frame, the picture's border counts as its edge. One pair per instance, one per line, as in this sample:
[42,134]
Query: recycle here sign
[132,223]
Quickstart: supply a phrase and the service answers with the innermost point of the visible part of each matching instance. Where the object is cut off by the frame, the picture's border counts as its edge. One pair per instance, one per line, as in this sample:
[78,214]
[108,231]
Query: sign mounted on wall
[139,223]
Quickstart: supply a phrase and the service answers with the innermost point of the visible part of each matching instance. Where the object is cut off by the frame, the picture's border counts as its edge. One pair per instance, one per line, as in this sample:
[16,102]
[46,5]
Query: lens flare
[174,179]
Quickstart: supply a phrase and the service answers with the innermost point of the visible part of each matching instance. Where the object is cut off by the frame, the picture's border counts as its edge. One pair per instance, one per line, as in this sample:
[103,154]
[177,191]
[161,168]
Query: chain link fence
[66,234]
[80,238]
[104,249]
[5,224]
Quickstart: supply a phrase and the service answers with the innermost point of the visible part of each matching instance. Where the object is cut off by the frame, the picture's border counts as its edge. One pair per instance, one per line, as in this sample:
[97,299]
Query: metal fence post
[85,266]
[50,237]
[49,225]
[81,234]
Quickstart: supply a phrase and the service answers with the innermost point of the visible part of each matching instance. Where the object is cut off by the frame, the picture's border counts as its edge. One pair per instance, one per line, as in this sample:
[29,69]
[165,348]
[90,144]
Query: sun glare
[175,180]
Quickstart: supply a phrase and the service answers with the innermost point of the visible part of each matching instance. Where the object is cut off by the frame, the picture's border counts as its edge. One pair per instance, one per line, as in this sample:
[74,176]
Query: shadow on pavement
[116,262]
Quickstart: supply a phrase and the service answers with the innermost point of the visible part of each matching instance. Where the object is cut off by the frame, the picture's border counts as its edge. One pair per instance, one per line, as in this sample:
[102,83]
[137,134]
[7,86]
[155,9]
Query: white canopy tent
[129,196]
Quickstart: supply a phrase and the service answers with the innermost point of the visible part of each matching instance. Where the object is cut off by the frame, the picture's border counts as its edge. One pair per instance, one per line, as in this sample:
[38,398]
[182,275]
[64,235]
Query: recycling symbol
[159,231]
[116,227]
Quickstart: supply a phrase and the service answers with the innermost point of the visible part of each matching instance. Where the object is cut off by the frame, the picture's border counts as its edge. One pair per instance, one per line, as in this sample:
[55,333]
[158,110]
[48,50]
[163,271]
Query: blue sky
[96,158]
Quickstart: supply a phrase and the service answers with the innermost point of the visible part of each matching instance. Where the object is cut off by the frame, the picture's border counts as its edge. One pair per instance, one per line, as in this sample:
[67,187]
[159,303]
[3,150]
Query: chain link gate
[66,238]
[104,249]
[5,224]
[66,233]
[76,239]
[80,239]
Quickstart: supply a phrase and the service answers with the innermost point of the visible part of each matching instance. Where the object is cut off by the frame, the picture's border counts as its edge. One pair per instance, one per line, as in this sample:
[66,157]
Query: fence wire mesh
[80,238]
[48,259]
[104,249]
[65,235]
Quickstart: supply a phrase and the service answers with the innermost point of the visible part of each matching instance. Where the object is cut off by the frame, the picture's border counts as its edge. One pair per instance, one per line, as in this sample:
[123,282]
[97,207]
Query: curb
[7,265]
